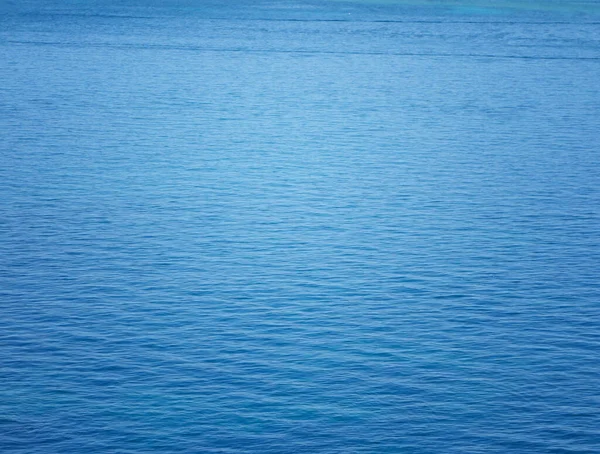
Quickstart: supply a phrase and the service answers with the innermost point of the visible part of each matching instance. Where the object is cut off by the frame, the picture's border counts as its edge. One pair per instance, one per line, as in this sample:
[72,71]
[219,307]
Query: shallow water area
[309,227]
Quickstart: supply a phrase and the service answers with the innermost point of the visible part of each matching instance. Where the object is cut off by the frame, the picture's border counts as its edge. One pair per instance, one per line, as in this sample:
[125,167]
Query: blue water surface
[299,227]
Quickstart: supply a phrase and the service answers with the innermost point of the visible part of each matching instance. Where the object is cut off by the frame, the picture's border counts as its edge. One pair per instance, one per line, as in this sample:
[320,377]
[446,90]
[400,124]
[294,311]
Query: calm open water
[299,227]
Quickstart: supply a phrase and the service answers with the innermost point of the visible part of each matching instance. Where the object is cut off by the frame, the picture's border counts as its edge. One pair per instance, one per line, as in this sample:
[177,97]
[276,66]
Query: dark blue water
[295,227]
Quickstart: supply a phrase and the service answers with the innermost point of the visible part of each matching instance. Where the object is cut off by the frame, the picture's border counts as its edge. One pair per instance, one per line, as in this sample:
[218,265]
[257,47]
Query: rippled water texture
[295,227]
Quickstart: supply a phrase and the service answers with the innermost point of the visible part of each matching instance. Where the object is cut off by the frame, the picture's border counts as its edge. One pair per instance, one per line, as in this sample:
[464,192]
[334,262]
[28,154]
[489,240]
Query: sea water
[299,227]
